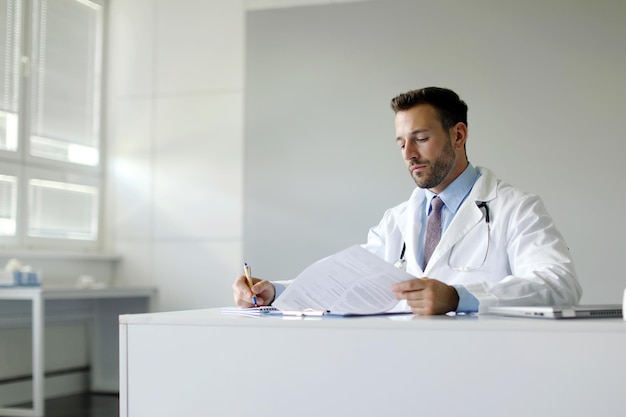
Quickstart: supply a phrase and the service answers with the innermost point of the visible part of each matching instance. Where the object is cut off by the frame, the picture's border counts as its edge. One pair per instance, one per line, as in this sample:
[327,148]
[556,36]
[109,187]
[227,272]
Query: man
[489,243]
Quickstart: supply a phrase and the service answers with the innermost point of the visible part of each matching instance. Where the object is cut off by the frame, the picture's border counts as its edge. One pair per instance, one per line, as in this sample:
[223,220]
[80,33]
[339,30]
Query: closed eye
[402,142]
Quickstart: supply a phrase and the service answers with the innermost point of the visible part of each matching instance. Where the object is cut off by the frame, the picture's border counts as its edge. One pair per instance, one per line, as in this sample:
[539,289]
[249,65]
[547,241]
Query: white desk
[202,363]
[109,303]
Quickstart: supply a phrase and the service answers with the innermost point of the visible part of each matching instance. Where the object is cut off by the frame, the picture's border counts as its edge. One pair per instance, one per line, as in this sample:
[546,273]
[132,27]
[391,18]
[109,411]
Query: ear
[458,133]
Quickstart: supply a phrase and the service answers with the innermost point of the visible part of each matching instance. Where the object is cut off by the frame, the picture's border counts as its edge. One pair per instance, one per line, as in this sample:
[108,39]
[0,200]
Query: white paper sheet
[353,281]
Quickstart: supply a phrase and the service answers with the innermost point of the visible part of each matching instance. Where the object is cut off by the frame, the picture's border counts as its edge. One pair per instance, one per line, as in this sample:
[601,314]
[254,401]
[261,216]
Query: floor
[83,405]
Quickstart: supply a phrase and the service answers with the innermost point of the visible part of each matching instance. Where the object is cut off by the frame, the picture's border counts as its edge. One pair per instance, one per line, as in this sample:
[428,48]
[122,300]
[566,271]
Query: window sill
[66,255]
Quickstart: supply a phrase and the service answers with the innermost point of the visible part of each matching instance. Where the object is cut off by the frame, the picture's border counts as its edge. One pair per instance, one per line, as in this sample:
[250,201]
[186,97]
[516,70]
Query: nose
[410,150]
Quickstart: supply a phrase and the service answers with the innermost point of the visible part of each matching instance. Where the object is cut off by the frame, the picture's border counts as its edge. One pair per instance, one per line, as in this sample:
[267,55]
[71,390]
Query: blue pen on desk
[246,270]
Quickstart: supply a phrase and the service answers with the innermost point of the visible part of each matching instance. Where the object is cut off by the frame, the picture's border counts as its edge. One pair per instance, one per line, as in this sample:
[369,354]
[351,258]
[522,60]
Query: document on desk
[251,311]
[351,282]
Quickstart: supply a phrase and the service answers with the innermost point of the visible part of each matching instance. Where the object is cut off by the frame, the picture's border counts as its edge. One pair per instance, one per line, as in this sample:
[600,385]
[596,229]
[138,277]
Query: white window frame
[14,170]
[26,166]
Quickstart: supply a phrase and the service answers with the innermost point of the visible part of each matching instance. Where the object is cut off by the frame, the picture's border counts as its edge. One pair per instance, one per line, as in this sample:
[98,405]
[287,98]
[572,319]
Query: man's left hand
[427,296]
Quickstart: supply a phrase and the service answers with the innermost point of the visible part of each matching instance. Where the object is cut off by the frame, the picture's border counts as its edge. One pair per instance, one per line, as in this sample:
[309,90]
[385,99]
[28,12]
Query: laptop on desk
[561,312]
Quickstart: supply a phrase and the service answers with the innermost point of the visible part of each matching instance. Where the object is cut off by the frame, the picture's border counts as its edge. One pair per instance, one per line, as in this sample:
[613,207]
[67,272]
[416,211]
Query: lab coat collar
[455,193]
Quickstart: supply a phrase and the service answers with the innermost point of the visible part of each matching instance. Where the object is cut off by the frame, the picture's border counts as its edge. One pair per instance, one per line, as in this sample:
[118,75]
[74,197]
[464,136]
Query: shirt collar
[457,191]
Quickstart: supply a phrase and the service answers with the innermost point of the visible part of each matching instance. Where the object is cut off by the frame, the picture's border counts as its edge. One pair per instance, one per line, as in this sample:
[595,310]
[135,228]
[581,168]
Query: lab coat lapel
[411,229]
[466,218]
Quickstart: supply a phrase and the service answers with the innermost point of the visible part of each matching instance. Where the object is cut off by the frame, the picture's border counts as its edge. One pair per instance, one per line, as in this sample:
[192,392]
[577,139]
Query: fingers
[242,293]
[427,296]
[262,289]
[423,307]
[411,285]
[260,286]
[265,292]
[416,292]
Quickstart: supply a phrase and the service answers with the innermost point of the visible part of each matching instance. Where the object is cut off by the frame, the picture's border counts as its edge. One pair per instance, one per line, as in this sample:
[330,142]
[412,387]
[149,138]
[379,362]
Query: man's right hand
[264,291]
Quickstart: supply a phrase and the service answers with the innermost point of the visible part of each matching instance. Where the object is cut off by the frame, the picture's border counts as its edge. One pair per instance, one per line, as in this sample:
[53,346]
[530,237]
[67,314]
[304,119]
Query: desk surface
[213,317]
[383,365]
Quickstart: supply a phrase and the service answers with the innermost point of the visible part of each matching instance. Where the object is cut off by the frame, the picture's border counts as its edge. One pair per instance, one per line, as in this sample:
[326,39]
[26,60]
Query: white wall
[544,81]
[175,138]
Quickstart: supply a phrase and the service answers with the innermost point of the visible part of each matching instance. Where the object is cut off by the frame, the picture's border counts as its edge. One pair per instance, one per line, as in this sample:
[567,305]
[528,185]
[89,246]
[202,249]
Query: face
[434,156]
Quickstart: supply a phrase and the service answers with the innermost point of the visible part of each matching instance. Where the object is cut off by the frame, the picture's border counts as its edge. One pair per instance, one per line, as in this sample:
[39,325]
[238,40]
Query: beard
[439,169]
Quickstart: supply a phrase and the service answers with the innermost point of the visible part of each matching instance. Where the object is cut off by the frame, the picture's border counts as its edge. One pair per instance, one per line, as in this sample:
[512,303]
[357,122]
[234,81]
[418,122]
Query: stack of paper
[351,282]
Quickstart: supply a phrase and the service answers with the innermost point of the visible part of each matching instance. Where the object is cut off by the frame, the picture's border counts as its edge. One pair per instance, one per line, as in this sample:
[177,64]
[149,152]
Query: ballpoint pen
[246,270]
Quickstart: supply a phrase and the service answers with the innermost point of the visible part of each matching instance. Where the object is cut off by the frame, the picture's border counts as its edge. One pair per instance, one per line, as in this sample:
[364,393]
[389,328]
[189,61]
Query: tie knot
[436,204]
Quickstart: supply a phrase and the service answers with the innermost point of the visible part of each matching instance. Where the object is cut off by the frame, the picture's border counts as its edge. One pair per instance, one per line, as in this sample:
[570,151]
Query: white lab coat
[528,262]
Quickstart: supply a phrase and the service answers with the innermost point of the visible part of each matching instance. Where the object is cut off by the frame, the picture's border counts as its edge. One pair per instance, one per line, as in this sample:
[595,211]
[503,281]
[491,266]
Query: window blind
[65,94]
[10,53]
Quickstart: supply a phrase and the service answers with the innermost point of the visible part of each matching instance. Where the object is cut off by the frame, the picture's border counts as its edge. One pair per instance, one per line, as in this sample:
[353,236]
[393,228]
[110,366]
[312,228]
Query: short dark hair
[451,108]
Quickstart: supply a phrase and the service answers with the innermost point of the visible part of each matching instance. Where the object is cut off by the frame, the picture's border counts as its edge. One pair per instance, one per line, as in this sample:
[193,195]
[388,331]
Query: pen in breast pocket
[246,270]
